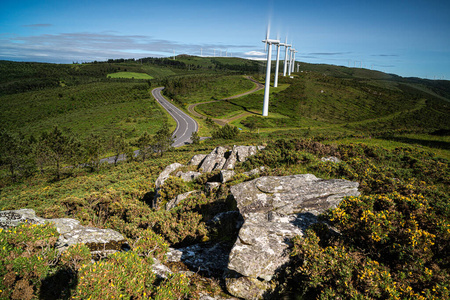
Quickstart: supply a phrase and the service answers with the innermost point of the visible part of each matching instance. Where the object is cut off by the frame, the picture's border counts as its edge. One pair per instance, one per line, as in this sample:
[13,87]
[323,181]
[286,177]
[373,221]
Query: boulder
[226,175]
[166,173]
[240,154]
[222,159]
[175,201]
[291,194]
[263,241]
[197,159]
[214,160]
[12,218]
[98,240]
[208,259]
[274,210]
[188,176]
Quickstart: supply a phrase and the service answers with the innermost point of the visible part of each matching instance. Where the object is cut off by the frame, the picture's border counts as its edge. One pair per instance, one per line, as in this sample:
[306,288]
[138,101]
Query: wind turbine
[290,60]
[269,62]
[214,52]
[201,52]
[286,57]
[277,66]
[293,60]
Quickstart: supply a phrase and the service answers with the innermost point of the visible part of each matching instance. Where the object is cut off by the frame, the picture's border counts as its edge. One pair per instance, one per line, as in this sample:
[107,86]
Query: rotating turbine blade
[267,36]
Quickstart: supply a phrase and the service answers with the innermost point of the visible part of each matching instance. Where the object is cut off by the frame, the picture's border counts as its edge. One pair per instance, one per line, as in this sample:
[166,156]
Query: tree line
[58,152]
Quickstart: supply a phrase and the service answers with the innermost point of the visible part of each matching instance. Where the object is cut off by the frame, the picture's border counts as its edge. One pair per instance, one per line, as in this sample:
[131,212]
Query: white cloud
[255,53]
[69,47]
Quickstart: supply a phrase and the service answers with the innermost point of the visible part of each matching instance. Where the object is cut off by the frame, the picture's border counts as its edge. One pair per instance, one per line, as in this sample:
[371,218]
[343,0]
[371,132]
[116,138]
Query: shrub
[150,243]
[27,255]
[75,256]
[226,132]
[128,276]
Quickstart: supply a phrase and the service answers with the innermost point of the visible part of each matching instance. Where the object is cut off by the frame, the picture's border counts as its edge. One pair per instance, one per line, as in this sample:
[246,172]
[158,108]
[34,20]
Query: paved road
[185,124]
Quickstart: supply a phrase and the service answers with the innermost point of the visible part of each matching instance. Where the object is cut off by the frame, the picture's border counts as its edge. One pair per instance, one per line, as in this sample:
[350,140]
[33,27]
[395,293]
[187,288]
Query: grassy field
[131,75]
[200,88]
[101,108]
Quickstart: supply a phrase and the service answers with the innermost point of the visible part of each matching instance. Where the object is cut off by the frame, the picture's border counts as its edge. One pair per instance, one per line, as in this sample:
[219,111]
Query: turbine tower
[293,60]
[269,62]
[291,56]
[286,57]
[277,66]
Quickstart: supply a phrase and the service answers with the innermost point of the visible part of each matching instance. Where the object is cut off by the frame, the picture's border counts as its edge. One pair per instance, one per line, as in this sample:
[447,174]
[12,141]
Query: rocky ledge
[100,241]
[275,209]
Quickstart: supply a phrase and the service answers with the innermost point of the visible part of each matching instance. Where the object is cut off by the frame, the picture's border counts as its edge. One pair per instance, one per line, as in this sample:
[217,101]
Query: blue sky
[408,38]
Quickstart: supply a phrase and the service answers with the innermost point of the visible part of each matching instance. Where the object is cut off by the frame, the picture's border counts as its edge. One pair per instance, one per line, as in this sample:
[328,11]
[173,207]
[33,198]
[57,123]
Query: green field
[131,75]
[200,88]
[101,108]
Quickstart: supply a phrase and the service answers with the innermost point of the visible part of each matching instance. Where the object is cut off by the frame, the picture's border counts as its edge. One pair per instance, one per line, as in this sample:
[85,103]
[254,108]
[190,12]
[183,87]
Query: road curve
[185,124]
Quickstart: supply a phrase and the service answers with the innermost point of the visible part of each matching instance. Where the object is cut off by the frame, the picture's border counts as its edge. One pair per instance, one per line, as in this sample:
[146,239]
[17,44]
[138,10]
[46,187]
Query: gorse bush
[128,276]
[27,255]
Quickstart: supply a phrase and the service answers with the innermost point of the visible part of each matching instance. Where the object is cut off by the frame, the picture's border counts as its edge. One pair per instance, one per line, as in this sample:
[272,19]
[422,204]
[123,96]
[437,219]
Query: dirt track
[192,111]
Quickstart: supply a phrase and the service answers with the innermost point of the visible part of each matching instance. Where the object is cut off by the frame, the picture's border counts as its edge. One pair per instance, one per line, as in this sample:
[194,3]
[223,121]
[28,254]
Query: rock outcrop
[222,159]
[100,241]
[166,173]
[218,159]
[275,209]
[271,211]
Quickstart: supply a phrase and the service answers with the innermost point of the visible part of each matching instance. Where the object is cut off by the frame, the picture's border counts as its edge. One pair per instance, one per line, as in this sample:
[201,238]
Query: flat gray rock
[70,230]
[291,194]
[275,209]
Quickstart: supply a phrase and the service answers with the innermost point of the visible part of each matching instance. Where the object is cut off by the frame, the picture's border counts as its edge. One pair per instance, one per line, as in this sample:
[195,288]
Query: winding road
[185,124]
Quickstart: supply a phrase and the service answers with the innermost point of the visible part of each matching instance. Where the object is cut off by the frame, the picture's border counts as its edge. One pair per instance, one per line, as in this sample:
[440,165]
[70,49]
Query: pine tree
[144,145]
[163,139]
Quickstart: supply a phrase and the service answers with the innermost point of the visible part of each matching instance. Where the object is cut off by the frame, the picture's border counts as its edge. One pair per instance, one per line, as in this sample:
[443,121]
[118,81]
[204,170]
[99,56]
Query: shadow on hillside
[421,142]
[59,285]
[243,107]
